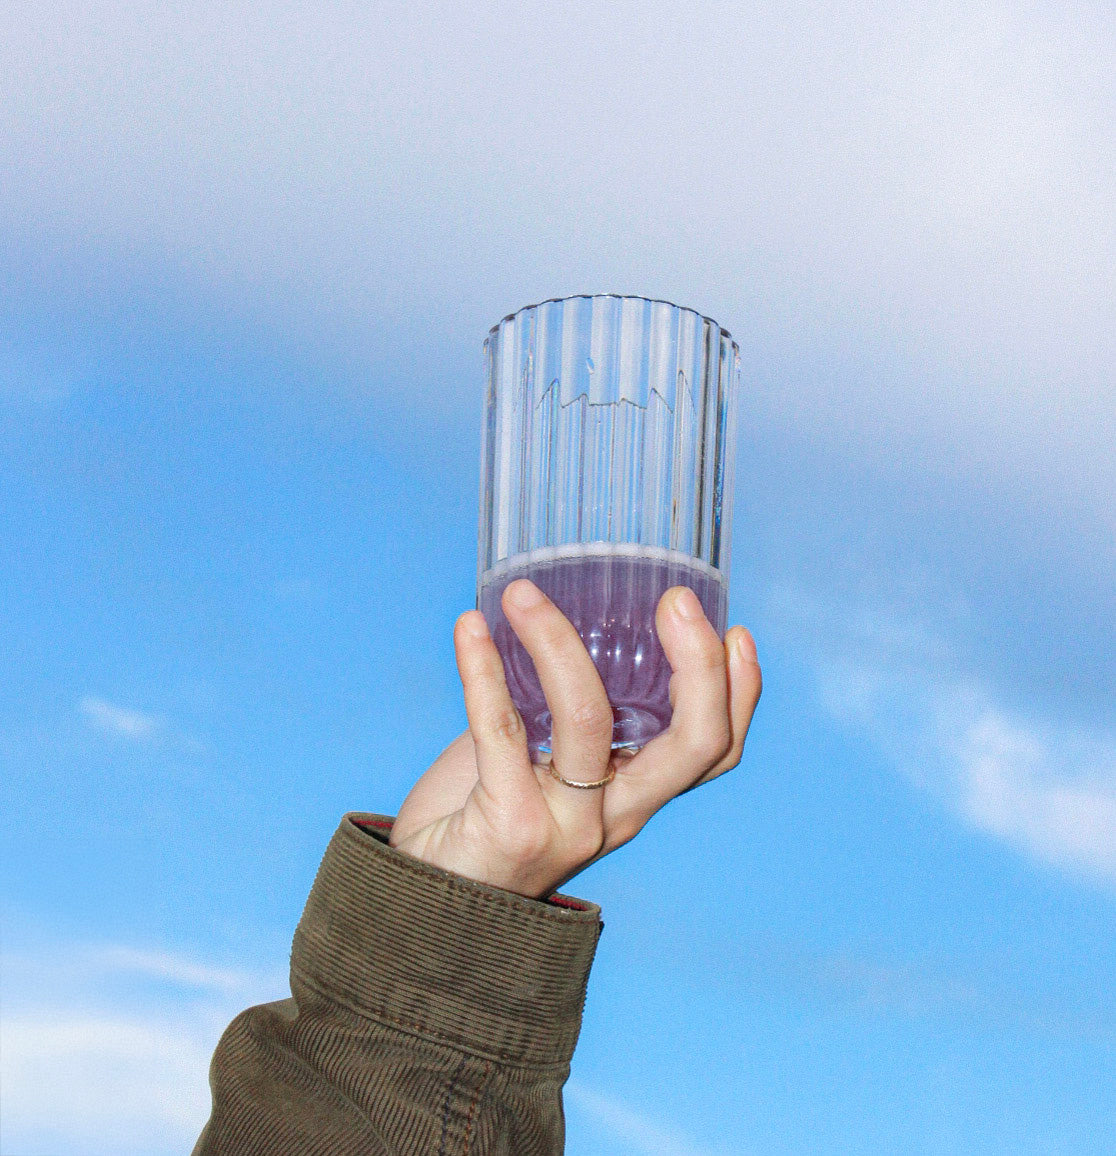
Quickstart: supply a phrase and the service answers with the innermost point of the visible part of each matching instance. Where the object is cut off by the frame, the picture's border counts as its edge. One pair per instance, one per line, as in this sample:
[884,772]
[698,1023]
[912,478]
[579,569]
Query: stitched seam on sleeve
[446,1105]
[473,1106]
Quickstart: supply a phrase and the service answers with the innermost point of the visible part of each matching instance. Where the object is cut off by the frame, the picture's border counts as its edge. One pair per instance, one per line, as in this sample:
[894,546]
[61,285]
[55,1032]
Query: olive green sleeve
[429,1015]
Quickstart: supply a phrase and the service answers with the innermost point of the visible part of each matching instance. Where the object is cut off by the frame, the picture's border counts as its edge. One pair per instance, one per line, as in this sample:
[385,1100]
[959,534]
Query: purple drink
[610,594]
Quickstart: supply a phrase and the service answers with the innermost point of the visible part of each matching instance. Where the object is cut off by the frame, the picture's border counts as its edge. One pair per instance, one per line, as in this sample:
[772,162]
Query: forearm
[429,1014]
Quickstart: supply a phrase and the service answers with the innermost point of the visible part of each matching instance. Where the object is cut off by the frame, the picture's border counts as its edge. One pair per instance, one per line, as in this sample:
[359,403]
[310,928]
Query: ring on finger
[553,771]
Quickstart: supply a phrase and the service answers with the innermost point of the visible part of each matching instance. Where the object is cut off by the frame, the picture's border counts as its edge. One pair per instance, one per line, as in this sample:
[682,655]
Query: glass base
[632,729]
[610,596]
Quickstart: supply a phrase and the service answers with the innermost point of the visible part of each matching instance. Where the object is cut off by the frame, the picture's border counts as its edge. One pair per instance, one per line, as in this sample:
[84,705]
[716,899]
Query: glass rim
[616,297]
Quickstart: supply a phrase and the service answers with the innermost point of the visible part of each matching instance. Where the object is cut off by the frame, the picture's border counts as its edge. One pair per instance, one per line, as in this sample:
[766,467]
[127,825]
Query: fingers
[714,689]
[499,736]
[582,717]
[699,683]
[745,686]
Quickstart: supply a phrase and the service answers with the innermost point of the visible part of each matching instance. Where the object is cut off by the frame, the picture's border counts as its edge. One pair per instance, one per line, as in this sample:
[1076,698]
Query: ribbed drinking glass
[607,463]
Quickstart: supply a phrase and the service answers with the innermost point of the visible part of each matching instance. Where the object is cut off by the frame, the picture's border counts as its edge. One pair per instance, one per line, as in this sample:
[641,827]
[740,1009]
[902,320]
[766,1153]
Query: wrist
[479,865]
[471,966]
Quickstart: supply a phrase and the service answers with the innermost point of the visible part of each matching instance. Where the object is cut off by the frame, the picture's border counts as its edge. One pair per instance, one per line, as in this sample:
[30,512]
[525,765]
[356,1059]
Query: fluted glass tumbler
[606,477]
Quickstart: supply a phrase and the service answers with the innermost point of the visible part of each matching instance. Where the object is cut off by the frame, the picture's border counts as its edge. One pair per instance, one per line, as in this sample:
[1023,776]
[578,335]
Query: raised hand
[483,811]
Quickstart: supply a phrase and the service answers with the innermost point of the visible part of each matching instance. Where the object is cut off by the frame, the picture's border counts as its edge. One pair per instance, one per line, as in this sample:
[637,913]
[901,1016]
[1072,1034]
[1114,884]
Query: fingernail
[745,647]
[525,594]
[476,625]
[687,604]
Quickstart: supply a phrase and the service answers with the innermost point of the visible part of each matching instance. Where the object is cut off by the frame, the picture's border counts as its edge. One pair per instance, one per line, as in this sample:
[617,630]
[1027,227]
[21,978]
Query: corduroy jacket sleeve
[429,1015]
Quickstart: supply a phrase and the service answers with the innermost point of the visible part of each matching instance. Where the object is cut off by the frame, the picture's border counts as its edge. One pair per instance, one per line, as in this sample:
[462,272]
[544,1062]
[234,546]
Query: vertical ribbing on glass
[608,420]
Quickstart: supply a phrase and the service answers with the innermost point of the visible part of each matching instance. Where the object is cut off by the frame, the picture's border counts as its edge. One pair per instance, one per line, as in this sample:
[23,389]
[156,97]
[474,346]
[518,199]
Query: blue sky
[247,261]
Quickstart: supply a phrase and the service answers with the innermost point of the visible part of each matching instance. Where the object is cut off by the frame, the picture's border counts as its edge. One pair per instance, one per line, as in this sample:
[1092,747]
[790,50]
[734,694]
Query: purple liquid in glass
[611,599]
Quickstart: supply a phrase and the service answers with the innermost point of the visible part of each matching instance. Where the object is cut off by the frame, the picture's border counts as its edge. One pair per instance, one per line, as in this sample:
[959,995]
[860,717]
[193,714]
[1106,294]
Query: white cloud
[909,204]
[109,1082]
[171,967]
[78,1076]
[117,720]
[94,1060]
[1052,794]
[1046,787]
[76,970]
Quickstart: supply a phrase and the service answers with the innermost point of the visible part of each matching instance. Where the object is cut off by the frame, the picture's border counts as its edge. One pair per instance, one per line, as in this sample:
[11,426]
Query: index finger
[499,736]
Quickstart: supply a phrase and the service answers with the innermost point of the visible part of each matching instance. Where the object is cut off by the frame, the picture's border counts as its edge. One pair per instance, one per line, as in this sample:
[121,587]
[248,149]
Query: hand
[483,811]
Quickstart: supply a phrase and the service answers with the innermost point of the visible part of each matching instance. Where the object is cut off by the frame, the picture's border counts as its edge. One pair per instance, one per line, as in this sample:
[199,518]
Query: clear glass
[607,463]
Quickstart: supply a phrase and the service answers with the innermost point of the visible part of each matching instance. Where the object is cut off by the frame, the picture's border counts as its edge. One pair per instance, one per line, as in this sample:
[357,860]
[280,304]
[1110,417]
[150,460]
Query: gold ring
[582,786]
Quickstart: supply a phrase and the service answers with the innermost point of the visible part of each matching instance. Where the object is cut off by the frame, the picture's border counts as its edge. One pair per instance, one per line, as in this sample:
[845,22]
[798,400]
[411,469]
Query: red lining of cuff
[379,824]
[565,901]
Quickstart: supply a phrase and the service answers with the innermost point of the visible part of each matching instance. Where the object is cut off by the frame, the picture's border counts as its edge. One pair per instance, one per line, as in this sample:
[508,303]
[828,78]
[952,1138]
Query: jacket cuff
[443,957]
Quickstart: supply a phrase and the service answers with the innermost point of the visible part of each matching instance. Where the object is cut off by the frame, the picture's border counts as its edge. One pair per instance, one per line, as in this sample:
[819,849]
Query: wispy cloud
[96,1060]
[114,1082]
[1049,791]
[172,968]
[81,969]
[125,1080]
[1045,786]
[639,1134]
[117,720]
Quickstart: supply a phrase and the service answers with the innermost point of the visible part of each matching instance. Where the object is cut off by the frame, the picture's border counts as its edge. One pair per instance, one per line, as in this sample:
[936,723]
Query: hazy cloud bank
[903,212]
